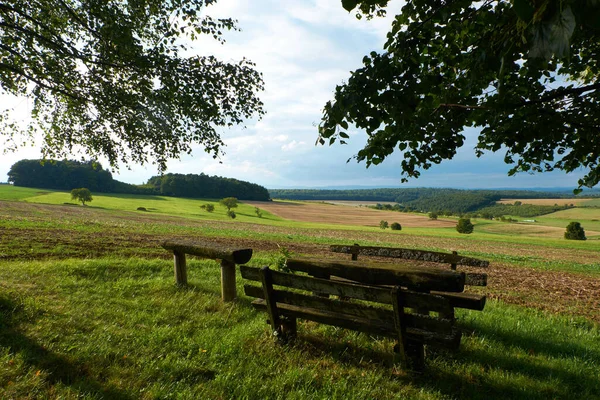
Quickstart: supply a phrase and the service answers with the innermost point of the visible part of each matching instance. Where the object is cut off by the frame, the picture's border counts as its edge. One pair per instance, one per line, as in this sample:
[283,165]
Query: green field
[88,309]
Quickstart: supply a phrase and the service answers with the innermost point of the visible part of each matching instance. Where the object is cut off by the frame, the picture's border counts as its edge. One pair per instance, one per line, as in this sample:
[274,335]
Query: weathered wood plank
[413,277]
[374,327]
[470,301]
[179,268]
[228,289]
[400,324]
[352,290]
[210,250]
[475,279]
[409,254]
[352,309]
[270,305]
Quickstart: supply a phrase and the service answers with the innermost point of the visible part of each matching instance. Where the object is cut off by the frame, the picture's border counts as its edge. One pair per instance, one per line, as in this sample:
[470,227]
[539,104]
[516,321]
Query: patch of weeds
[280,260]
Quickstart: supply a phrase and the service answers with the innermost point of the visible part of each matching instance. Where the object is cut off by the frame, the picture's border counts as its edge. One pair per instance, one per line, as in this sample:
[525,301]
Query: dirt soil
[329,213]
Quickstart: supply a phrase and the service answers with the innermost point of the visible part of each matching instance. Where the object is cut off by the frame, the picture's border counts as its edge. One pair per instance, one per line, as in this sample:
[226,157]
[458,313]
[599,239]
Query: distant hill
[71,174]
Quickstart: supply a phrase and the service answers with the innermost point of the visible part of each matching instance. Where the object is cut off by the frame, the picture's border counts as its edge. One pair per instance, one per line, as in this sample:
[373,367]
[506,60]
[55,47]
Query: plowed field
[345,215]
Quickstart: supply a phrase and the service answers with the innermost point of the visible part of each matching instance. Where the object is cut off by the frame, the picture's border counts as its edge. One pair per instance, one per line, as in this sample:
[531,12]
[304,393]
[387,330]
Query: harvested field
[532,230]
[341,215]
[547,202]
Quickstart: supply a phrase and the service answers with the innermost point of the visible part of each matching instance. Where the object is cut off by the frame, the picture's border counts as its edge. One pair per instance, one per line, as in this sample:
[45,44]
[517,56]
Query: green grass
[10,192]
[120,328]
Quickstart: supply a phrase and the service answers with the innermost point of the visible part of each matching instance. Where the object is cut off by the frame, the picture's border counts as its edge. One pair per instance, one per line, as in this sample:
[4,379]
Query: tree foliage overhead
[118,78]
[526,73]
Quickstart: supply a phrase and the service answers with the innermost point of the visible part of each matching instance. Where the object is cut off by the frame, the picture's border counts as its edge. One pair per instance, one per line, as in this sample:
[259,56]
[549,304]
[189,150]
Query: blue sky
[304,49]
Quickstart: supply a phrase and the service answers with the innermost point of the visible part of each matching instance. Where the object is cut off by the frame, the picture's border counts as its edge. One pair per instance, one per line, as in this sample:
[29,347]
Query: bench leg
[180,268]
[289,328]
[415,353]
[228,292]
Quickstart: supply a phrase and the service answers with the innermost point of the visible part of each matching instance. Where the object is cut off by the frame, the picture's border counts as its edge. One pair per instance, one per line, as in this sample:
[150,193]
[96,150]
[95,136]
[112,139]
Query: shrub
[575,231]
[383,224]
[433,215]
[464,225]
[258,212]
[208,207]
[396,226]
[231,214]
[142,209]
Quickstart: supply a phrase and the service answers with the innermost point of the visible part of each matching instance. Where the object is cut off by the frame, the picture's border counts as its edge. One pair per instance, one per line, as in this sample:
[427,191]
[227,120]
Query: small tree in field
[464,225]
[383,224]
[82,195]
[575,231]
[231,214]
[258,212]
[396,226]
[208,207]
[229,202]
[433,215]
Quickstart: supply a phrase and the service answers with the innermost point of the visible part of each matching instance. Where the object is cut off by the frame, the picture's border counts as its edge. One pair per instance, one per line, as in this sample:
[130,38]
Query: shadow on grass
[496,372]
[59,368]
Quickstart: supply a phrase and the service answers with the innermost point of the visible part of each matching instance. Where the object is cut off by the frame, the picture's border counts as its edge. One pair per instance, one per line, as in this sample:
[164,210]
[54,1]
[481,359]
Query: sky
[304,49]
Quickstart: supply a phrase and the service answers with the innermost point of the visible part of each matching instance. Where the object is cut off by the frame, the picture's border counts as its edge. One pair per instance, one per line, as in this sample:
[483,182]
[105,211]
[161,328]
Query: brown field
[342,215]
[547,202]
[531,230]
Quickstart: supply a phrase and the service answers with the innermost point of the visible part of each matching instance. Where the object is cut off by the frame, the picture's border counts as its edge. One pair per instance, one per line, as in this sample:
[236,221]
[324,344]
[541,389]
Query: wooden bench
[404,310]
[470,301]
[229,258]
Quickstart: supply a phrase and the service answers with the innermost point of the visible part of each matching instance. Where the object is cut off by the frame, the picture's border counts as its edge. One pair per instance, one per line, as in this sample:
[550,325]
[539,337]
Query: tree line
[70,174]
[443,201]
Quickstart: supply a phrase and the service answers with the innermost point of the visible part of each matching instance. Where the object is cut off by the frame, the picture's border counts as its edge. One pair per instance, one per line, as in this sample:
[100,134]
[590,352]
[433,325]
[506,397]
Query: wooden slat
[267,295]
[400,324]
[451,341]
[469,301]
[409,254]
[420,278]
[346,289]
[210,250]
[351,309]
[475,279]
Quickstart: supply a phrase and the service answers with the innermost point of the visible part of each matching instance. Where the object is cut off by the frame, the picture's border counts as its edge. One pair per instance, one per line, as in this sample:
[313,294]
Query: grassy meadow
[89,309]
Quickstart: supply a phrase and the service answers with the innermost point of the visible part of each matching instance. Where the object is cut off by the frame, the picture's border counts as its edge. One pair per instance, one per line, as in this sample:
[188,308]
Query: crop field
[89,309]
[338,214]
[551,202]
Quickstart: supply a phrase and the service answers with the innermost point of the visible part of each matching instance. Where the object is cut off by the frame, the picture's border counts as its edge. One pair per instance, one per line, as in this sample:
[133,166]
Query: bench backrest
[382,311]
[452,259]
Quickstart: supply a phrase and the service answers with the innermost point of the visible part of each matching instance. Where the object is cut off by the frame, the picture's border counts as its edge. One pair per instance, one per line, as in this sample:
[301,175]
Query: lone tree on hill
[575,231]
[229,202]
[464,225]
[118,78]
[525,73]
[82,195]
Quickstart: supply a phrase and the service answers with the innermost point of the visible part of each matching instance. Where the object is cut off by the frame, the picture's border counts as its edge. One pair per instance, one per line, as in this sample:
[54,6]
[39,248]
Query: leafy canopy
[229,202]
[526,73]
[83,195]
[575,231]
[118,79]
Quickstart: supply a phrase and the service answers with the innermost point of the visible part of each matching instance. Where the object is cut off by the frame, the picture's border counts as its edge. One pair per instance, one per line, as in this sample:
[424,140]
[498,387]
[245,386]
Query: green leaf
[524,9]
[349,5]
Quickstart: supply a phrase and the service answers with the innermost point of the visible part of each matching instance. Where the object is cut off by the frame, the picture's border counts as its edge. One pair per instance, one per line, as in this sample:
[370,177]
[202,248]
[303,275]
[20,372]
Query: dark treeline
[522,210]
[204,186]
[445,201]
[70,174]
